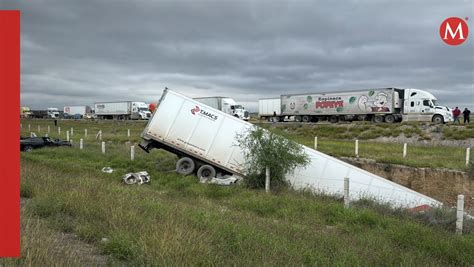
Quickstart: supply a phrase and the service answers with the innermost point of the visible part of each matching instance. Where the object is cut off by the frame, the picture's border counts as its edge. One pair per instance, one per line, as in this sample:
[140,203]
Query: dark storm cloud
[79,52]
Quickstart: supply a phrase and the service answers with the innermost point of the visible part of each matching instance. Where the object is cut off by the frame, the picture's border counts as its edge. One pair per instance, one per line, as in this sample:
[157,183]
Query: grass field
[178,221]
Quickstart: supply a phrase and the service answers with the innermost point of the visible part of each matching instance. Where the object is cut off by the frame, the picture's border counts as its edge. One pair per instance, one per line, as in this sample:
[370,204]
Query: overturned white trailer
[204,140]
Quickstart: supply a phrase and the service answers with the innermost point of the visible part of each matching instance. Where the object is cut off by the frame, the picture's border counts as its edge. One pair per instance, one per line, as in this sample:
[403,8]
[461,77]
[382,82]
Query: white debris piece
[136,178]
[107,170]
[223,180]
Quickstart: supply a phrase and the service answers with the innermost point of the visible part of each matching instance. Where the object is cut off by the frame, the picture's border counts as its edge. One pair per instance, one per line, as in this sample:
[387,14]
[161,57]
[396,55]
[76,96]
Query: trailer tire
[306,118]
[377,119]
[298,118]
[185,166]
[206,172]
[333,119]
[438,119]
[389,119]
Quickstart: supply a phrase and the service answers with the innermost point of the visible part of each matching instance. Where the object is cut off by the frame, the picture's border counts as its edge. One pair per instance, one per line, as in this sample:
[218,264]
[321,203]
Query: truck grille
[246,114]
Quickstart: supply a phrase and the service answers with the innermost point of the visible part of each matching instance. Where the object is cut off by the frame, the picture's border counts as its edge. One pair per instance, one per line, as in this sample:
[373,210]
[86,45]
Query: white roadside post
[459,214]
[72,131]
[346,192]
[46,135]
[103,147]
[85,133]
[132,153]
[468,155]
[100,134]
[59,131]
[405,150]
[39,128]
[21,126]
[357,148]
[267,179]
[49,129]
[315,143]
[70,141]
[81,144]
[29,127]
[128,132]
[67,135]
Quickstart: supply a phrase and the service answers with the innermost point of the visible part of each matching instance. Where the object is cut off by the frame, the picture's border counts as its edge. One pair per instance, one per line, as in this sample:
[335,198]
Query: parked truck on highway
[226,105]
[123,110]
[270,109]
[49,113]
[377,105]
[25,112]
[77,112]
[204,139]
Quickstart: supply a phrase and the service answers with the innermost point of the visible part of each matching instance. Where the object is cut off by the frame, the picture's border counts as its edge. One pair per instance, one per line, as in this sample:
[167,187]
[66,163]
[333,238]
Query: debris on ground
[222,180]
[136,178]
[107,170]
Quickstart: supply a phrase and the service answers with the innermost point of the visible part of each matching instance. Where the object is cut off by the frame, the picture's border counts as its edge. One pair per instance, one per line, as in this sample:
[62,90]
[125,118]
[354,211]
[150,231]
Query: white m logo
[453,35]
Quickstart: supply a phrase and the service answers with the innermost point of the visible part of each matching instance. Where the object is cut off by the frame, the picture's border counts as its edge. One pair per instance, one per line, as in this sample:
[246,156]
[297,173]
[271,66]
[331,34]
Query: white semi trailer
[226,105]
[124,110]
[76,111]
[204,140]
[270,109]
[378,105]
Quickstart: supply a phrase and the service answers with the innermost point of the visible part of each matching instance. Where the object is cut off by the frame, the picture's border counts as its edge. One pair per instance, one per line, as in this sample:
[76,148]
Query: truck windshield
[237,106]
[435,102]
[143,109]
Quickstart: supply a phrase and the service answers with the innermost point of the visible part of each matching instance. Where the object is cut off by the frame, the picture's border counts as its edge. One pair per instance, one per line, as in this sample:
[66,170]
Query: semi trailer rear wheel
[390,119]
[206,172]
[377,119]
[333,119]
[298,118]
[306,118]
[185,166]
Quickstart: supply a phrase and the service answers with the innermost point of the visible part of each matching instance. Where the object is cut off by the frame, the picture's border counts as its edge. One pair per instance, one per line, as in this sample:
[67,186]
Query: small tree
[264,149]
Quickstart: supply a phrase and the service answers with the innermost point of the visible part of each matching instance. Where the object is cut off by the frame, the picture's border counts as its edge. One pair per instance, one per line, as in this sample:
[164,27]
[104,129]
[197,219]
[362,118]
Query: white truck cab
[53,113]
[225,104]
[418,104]
[229,106]
[141,110]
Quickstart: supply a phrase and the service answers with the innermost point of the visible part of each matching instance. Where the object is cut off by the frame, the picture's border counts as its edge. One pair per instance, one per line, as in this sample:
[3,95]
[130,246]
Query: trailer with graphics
[204,139]
[377,105]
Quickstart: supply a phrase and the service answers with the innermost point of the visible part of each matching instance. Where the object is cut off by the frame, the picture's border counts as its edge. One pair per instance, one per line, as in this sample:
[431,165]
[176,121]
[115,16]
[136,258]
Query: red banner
[10,133]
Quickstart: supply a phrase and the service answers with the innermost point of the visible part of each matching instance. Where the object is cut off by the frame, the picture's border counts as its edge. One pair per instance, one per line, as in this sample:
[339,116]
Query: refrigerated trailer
[378,105]
[204,139]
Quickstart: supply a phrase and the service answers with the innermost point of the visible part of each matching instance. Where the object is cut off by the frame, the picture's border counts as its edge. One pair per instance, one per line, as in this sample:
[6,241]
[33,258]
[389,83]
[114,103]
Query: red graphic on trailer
[195,110]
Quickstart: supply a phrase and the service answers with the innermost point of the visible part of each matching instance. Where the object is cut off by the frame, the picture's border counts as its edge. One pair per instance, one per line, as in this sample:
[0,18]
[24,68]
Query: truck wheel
[438,119]
[27,148]
[333,119]
[206,172]
[377,119]
[298,118]
[390,119]
[185,166]
[281,119]
[306,118]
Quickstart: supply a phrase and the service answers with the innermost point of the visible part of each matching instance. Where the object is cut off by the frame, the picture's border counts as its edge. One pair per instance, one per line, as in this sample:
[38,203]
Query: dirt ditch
[441,184]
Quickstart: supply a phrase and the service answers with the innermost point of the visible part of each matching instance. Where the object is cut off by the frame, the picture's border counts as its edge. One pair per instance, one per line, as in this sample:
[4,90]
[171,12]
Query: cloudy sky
[80,52]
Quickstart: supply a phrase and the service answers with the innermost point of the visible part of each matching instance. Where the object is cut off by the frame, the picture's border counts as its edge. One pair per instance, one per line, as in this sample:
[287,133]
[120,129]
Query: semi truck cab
[418,104]
[141,110]
[53,113]
[229,106]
